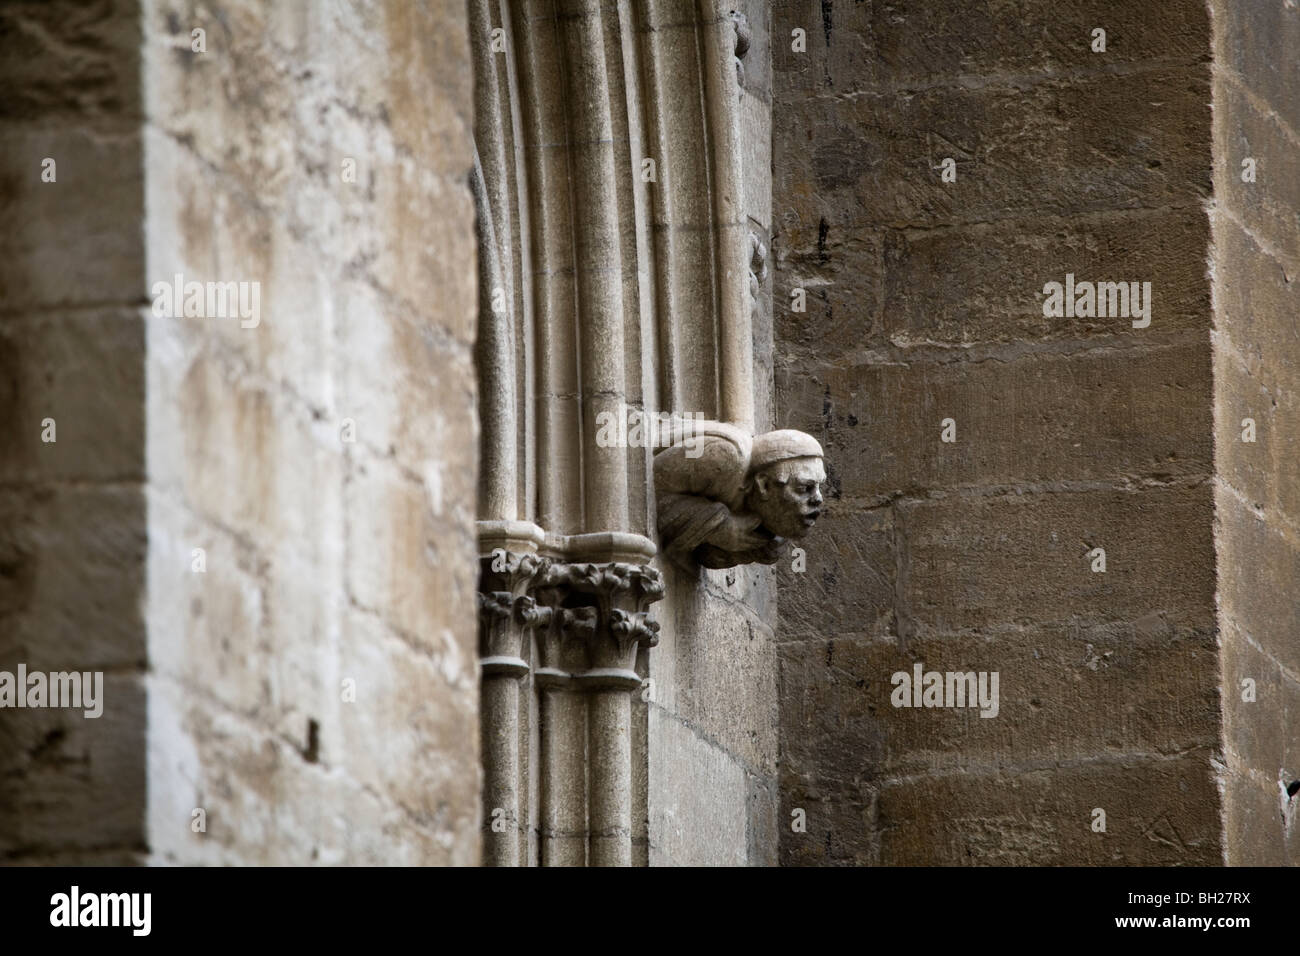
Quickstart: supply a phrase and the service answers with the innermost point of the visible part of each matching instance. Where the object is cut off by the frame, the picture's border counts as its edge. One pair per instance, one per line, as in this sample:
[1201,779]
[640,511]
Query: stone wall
[259,526]
[72,427]
[325,459]
[925,303]
[1257,301]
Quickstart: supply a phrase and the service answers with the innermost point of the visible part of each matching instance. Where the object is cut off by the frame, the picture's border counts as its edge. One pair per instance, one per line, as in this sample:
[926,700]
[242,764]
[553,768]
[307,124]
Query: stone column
[506,615]
[621,594]
[563,717]
[599,619]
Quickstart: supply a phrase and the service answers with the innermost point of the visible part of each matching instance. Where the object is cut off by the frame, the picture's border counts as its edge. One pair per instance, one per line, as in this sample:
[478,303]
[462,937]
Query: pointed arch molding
[614,274]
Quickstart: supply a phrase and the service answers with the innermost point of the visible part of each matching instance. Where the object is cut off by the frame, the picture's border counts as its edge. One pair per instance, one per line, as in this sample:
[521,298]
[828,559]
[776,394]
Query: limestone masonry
[670,432]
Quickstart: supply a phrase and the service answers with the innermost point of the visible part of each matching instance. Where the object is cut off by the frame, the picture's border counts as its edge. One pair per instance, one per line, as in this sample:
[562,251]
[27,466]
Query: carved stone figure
[725,498]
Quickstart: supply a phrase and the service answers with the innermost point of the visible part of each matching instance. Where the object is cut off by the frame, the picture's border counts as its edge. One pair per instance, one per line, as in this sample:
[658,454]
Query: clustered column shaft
[589,619]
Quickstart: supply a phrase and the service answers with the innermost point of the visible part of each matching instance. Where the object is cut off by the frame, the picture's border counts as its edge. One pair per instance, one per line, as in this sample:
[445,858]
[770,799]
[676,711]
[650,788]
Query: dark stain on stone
[823,230]
[17,572]
[312,753]
[840,158]
[826,19]
[14,416]
[47,751]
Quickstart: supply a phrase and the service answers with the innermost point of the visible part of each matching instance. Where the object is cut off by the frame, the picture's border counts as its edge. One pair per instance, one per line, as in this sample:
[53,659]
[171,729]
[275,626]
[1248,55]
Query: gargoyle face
[787,496]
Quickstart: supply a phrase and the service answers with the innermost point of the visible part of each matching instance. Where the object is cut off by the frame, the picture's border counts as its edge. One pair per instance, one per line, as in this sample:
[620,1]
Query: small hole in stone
[1293,788]
[312,753]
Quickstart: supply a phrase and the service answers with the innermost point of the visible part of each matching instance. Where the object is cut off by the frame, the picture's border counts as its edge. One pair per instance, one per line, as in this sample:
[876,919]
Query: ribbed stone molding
[614,249]
[614,274]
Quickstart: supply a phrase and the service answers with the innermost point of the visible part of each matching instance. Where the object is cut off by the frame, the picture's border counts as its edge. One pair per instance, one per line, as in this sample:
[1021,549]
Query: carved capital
[506,611]
[600,617]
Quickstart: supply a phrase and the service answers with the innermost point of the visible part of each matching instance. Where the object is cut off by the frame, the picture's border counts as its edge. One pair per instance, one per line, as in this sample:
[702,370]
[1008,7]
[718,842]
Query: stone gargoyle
[726,498]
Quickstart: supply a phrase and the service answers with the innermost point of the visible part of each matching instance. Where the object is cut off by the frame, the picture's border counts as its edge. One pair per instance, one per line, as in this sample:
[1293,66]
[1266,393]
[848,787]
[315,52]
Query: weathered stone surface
[326,458]
[1020,417]
[698,809]
[756,133]
[1245,128]
[762,809]
[966,558]
[715,670]
[1063,693]
[386,509]
[1250,40]
[267,802]
[248,465]
[84,370]
[400,365]
[838,820]
[1260,470]
[1252,288]
[415,703]
[1046,816]
[925,304]
[73,529]
[869,288]
[842,281]
[1255,733]
[73,570]
[853,548]
[68,782]
[917,43]
[1255,831]
[76,240]
[71,62]
[877,156]
[1254,263]
[1258,564]
[981,300]
[758,58]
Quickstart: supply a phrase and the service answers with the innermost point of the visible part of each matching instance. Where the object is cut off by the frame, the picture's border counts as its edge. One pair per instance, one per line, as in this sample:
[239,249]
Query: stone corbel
[725,498]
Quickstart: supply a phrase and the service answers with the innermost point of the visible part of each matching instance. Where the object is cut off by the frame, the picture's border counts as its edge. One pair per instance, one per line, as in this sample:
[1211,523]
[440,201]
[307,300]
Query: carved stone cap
[781,445]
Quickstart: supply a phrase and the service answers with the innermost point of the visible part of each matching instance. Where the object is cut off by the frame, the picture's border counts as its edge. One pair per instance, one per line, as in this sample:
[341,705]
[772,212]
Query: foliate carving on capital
[508,570]
[590,617]
[506,611]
